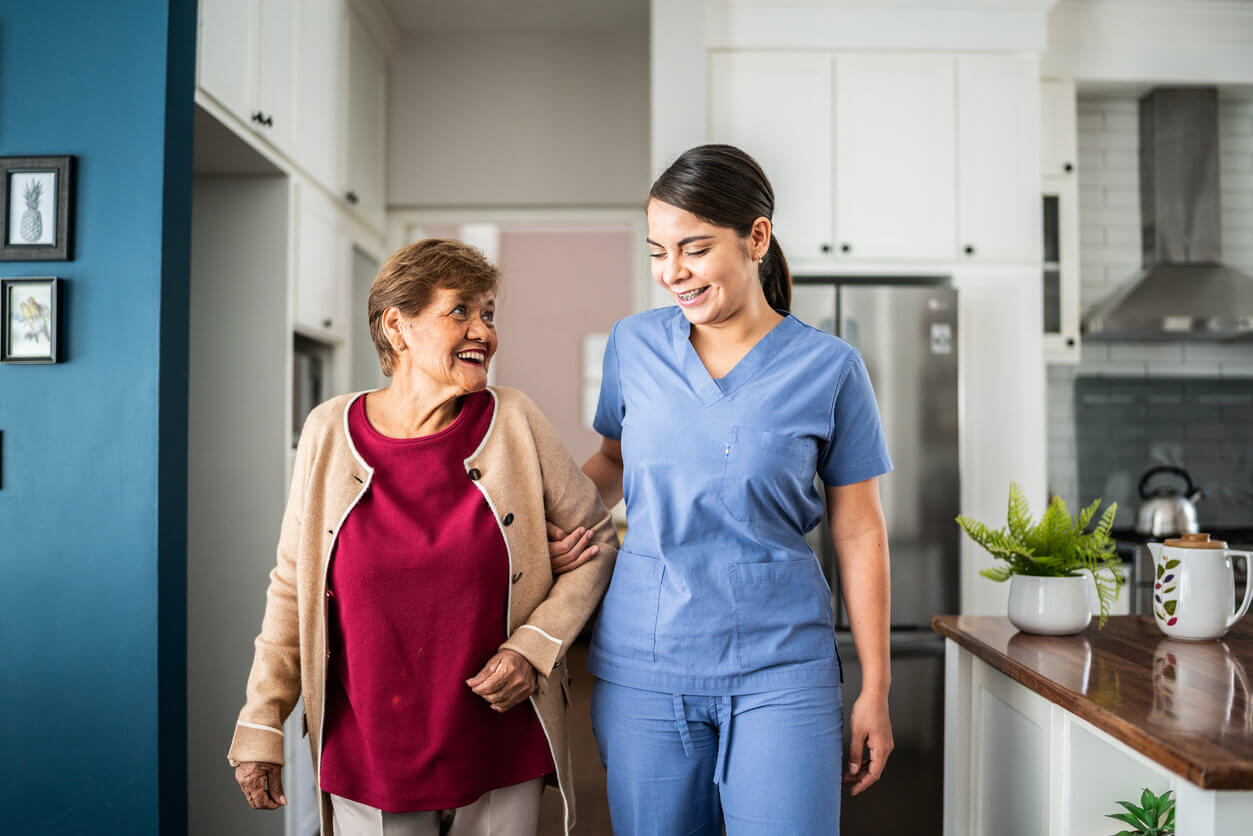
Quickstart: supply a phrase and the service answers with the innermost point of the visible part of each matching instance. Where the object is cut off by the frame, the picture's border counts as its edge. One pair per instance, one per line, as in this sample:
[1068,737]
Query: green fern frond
[1019,516]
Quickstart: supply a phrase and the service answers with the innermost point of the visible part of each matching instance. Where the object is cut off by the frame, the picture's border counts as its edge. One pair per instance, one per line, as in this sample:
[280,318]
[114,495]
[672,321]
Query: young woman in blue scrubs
[717,700]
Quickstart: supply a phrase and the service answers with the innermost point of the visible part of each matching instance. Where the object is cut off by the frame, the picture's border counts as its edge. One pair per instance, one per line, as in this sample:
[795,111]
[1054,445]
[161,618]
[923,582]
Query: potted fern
[1051,564]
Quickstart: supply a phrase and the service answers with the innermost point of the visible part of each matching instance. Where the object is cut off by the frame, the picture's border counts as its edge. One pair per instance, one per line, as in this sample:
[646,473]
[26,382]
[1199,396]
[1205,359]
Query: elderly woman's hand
[262,784]
[567,552]
[506,680]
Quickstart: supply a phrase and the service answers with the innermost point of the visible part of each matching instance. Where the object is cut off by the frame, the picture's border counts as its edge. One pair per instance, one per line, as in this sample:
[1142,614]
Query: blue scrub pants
[761,764]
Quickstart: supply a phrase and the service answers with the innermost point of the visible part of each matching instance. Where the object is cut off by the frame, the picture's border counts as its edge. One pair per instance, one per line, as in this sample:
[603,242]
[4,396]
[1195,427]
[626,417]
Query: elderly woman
[414,605]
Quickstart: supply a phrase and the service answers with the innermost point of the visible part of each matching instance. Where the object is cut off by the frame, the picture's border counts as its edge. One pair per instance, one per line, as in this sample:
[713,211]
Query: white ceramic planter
[1050,606]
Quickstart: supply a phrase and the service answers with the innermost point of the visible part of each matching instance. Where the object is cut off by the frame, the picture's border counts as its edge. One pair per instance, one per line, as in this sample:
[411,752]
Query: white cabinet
[319,95]
[278,28]
[894,156]
[777,107]
[320,280]
[247,61]
[998,142]
[226,38]
[1058,138]
[1060,190]
[365,142]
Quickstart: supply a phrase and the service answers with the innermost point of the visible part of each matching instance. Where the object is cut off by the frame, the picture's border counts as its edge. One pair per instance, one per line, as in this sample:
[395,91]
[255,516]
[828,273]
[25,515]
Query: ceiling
[519,15]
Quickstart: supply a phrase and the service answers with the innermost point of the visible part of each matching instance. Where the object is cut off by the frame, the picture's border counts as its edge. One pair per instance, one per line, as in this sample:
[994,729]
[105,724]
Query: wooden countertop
[1185,705]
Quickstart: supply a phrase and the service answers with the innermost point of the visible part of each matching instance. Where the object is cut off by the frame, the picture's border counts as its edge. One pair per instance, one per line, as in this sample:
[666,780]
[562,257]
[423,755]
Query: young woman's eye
[656,255]
[697,252]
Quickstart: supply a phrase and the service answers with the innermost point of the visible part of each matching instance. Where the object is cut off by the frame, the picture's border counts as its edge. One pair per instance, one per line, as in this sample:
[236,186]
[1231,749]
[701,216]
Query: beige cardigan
[526,476]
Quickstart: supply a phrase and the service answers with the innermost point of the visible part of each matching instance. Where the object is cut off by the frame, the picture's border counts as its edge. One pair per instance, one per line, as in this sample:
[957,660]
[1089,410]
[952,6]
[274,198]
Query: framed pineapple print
[36,212]
[29,328]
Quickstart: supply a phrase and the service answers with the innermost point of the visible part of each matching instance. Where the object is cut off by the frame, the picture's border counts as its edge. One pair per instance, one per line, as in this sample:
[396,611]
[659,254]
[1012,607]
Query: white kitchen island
[1043,734]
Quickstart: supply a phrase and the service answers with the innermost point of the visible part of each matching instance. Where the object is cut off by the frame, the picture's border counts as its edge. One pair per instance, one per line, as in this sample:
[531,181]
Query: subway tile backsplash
[1126,425]
[1151,427]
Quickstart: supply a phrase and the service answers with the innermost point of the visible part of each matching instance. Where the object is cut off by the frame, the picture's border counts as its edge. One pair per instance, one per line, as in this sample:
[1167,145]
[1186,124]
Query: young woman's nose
[674,270]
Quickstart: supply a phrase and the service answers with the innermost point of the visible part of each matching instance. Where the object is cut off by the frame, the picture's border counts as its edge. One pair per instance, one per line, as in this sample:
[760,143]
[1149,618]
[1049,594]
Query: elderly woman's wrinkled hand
[262,784]
[506,680]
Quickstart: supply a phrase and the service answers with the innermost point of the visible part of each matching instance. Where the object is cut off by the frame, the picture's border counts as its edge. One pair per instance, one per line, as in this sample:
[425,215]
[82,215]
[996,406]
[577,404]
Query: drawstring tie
[723,709]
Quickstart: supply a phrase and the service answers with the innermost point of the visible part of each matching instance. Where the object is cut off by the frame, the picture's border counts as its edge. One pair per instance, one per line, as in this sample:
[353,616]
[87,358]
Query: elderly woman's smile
[453,337]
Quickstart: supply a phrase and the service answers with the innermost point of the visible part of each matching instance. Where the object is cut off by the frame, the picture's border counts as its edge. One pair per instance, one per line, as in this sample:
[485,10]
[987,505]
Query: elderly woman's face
[452,339]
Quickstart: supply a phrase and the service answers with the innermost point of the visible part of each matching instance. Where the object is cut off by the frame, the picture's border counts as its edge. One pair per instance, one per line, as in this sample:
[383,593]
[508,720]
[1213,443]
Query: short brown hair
[413,273]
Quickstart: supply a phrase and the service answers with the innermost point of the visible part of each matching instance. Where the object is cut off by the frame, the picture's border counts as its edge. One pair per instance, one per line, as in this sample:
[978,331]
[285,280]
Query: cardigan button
[517,577]
[474,474]
[508,520]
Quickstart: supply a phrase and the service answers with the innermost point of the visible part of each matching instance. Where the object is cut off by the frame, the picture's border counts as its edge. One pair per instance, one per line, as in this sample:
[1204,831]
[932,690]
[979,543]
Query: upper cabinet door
[777,107]
[1059,140]
[998,158]
[225,49]
[894,156]
[319,95]
[365,131]
[276,72]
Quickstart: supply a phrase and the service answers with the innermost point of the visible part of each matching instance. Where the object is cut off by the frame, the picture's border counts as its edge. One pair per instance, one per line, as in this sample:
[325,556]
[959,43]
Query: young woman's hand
[567,552]
[871,730]
[506,680]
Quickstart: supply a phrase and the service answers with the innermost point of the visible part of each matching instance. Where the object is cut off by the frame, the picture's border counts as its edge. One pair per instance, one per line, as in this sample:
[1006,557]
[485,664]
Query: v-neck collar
[710,390]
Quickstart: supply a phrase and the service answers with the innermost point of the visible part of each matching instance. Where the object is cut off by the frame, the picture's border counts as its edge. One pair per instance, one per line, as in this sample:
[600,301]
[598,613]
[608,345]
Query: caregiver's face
[452,340]
[707,269]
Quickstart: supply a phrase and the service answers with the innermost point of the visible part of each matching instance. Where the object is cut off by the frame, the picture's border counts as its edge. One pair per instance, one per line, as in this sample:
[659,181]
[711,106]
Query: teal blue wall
[93,489]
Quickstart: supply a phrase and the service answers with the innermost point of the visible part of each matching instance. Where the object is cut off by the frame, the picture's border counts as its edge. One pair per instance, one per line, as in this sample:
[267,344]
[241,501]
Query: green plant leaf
[997,573]
[1127,818]
[1137,812]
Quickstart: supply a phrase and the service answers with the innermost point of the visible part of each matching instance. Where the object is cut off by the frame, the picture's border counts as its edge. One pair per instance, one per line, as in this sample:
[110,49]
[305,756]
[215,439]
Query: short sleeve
[857,448]
[610,408]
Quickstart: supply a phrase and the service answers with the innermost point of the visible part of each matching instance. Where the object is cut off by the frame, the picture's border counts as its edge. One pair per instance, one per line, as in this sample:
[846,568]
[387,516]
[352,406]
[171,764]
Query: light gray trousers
[508,811]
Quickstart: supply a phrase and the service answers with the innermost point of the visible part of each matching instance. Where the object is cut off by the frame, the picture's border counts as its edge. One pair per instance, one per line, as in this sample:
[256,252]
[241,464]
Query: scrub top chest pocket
[767,476]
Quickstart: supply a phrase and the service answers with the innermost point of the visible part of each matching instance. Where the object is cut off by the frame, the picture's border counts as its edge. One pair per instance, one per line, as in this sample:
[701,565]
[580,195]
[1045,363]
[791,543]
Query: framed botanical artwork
[29,320]
[36,212]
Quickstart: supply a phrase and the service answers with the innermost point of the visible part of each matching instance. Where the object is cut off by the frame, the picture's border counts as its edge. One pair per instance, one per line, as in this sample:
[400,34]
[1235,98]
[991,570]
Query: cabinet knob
[846,248]
[352,198]
[1068,167]
[1070,342]
[970,249]
[269,121]
[326,323]
[258,118]
[826,248]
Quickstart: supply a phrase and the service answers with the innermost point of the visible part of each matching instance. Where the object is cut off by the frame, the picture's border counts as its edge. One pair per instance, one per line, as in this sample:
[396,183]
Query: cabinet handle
[970,249]
[846,248]
[826,248]
[1068,167]
[269,121]
[352,198]
[258,118]
[326,323]
[1070,342]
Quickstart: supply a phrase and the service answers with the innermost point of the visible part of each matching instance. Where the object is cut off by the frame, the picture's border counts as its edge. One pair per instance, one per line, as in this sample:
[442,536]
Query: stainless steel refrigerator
[906,331]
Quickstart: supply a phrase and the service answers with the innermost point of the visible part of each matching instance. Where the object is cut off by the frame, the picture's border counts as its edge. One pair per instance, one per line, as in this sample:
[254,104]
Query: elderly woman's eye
[460,310]
[489,316]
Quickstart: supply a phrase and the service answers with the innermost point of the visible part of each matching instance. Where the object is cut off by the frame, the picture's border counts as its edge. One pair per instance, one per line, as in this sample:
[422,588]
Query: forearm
[864,579]
[859,533]
[606,473]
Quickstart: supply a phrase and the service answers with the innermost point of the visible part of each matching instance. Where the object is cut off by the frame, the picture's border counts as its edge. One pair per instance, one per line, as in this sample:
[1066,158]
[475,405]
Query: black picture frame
[14,237]
[13,317]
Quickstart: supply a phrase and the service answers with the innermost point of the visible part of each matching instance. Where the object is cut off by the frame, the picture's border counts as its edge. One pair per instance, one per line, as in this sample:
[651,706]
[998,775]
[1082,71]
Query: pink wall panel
[557,286]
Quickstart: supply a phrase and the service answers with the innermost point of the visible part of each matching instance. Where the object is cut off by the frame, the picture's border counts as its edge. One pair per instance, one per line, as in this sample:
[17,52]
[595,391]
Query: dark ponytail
[726,187]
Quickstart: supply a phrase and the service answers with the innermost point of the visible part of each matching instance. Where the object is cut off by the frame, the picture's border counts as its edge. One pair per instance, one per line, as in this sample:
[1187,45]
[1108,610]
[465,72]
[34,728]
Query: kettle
[1167,512]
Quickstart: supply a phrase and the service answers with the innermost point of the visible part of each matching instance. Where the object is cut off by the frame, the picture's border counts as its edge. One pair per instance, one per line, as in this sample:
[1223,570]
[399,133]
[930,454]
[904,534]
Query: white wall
[518,119]
[236,467]
[1109,246]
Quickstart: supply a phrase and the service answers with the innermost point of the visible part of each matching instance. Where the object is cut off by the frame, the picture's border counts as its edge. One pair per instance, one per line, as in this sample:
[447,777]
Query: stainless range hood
[1184,291]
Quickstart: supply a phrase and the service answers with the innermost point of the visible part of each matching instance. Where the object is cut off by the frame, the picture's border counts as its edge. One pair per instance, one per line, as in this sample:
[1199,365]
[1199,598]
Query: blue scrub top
[715,590]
